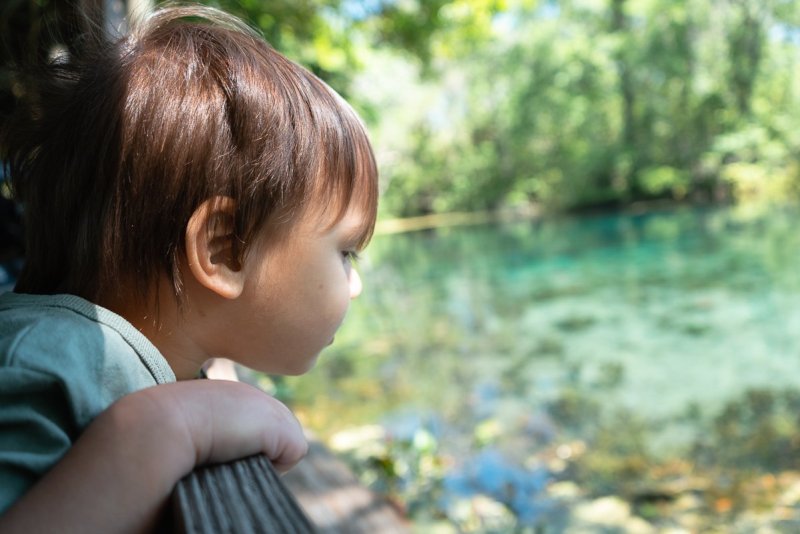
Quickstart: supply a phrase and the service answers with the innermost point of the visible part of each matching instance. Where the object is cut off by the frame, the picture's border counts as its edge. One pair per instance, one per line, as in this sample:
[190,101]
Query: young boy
[189,193]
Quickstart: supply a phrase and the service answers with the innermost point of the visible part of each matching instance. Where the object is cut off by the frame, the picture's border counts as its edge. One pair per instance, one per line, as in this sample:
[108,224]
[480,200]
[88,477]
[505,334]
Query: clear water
[537,326]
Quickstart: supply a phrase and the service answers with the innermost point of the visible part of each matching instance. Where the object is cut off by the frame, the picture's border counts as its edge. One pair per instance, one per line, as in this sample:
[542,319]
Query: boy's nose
[355,284]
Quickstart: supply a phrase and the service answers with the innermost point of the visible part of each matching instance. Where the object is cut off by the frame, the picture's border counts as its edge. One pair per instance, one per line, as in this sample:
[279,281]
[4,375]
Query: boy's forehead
[351,226]
[349,223]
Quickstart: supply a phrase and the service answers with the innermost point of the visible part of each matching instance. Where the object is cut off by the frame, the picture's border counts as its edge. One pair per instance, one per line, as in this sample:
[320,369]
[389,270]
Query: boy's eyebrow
[352,233]
[351,230]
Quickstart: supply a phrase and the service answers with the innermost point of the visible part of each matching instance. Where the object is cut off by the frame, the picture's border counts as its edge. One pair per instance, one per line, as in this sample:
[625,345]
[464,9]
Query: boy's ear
[210,247]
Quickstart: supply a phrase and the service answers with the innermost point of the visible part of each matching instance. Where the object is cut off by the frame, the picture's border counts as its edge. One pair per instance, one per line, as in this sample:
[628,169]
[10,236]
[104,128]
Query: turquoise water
[531,333]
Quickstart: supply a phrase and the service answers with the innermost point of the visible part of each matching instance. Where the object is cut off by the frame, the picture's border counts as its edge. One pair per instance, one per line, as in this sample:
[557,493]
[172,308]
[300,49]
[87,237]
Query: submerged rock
[608,514]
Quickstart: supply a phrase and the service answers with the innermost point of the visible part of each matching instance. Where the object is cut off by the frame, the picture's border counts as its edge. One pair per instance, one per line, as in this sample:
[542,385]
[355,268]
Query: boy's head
[129,140]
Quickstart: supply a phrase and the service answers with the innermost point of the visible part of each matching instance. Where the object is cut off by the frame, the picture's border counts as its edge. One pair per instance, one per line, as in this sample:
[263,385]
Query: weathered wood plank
[242,497]
[320,494]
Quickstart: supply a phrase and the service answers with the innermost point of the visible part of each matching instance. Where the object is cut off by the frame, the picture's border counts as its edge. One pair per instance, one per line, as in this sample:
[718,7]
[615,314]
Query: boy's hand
[225,420]
[119,474]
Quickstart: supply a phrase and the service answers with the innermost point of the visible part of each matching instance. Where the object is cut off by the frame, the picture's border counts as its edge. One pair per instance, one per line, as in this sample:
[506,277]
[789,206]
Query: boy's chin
[292,368]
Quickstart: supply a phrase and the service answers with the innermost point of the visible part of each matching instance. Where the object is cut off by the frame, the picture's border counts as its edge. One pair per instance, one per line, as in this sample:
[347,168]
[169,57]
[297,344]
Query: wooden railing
[320,494]
[242,497]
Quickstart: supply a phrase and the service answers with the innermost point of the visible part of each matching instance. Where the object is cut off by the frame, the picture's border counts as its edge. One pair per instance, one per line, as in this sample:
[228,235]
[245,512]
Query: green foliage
[596,103]
[664,180]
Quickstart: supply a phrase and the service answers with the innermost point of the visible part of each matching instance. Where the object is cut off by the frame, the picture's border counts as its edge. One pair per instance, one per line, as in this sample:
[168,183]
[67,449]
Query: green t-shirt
[63,360]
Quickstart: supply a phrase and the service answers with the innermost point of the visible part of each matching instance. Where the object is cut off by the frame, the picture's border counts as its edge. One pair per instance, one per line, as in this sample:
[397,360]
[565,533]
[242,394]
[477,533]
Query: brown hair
[123,144]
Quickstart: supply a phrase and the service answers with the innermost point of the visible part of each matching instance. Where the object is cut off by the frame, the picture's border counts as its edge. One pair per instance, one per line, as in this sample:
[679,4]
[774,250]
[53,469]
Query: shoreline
[455,218]
[431,221]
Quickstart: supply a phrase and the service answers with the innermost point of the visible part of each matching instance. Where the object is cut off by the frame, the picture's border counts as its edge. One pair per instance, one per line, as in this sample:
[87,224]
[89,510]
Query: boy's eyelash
[351,255]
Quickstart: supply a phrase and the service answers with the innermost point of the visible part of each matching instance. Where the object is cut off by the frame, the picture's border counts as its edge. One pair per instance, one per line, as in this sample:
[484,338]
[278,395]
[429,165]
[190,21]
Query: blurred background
[581,308]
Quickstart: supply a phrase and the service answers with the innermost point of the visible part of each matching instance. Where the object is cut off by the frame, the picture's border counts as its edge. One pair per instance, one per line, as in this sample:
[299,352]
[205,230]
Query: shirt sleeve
[36,429]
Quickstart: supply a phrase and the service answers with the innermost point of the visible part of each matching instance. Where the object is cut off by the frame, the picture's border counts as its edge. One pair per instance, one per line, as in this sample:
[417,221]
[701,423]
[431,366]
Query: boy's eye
[350,256]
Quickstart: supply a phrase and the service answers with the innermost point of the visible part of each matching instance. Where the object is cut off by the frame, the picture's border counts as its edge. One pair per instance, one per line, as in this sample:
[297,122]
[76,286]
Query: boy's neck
[166,327]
